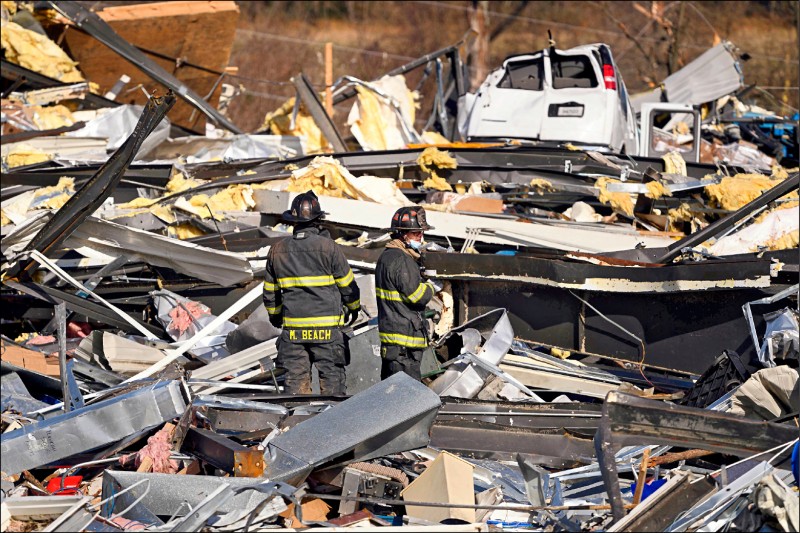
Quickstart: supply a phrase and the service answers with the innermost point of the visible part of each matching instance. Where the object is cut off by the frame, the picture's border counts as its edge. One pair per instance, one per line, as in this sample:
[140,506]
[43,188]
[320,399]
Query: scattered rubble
[615,345]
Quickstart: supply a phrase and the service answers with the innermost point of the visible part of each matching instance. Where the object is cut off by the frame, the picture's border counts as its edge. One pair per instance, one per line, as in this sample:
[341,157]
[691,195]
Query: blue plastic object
[649,488]
[796,463]
[506,252]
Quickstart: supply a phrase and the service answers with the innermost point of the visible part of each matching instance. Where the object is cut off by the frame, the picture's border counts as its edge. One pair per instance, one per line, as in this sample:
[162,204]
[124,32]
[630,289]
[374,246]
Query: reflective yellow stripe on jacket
[305,281]
[353,305]
[275,310]
[314,321]
[346,280]
[403,340]
[414,297]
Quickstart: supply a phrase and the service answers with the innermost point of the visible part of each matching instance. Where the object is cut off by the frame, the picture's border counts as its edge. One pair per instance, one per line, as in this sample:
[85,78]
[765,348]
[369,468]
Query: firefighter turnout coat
[307,282]
[402,296]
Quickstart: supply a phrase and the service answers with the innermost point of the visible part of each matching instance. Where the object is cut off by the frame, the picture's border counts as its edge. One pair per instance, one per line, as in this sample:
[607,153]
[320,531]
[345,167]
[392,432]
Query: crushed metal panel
[168,492]
[394,415]
[88,428]
[102,31]
[631,420]
[553,447]
[15,395]
[464,380]
[315,108]
[223,453]
[660,509]
[714,74]
[91,195]
[500,231]
[83,306]
[207,264]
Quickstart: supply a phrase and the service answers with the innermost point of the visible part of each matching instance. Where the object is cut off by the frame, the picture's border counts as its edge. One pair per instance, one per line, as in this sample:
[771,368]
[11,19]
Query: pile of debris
[615,345]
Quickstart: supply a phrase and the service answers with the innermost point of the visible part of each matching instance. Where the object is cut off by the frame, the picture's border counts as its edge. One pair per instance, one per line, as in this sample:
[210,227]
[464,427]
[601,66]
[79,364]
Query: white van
[575,96]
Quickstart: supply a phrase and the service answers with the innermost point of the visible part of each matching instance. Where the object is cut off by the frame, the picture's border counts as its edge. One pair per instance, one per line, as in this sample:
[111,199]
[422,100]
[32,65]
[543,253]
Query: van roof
[532,55]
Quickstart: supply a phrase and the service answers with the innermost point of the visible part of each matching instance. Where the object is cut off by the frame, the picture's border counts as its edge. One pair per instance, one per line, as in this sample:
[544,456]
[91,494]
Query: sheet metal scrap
[90,427]
[464,380]
[630,420]
[224,453]
[392,416]
[91,195]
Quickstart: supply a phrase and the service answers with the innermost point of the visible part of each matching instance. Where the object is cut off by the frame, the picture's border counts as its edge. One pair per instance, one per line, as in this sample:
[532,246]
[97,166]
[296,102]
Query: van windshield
[526,74]
[572,71]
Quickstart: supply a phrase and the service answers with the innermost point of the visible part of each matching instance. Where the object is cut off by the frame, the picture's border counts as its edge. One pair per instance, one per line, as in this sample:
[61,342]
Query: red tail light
[609,77]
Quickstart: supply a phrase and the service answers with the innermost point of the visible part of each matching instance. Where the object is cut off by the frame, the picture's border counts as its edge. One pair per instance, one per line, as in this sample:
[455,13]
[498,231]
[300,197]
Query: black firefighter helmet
[409,219]
[305,208]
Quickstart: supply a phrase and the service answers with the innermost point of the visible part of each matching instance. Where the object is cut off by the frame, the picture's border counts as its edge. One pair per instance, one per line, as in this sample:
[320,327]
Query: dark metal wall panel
[681,331]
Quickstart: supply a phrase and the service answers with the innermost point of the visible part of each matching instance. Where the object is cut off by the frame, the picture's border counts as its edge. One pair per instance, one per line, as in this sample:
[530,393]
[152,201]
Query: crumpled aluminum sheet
[91,427]
[15,396]
[465,380]
[117,124]
[392,416]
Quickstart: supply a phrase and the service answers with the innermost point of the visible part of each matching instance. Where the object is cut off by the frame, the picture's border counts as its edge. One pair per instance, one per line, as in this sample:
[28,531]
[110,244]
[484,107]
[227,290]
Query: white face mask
[415,245]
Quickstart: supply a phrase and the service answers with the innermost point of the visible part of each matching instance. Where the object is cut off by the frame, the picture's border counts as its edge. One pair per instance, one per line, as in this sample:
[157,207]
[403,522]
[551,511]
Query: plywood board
[200,33]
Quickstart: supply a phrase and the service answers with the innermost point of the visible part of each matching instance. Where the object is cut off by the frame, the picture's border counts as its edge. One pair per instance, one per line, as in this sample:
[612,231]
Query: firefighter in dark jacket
[310,292]
[402,295]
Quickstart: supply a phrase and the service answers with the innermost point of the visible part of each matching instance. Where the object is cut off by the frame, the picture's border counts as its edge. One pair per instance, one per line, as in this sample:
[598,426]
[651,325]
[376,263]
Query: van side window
[572,71]
[525,75]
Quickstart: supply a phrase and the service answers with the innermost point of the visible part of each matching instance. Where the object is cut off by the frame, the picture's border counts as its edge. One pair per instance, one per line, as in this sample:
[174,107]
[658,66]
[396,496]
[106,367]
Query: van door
[576,103]
[511,106]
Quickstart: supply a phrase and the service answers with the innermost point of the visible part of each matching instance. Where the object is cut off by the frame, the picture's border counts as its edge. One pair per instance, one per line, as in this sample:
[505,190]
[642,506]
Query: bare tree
[478,58]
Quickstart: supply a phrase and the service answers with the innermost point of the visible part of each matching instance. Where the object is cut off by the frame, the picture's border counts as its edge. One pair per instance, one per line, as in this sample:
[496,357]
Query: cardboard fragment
[313,510]
[30,359]
[447,480]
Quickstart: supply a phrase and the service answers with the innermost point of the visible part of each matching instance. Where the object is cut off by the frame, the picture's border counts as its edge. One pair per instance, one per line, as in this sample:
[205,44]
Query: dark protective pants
[297,359]
[400,359]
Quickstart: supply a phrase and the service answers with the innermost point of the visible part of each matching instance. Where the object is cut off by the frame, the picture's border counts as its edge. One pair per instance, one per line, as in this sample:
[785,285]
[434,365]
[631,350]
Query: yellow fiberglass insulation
[656,190]
[370,120]
[280,122]
[787,241]
[326,177]
[674,163]
[429,160]
[619,201]
[38,53]
[185,231]
[234,198]
[541,185]
[734,192]
[178,183]
[25,154]
[137,203]
[57,195]
[681,214]
[52,117]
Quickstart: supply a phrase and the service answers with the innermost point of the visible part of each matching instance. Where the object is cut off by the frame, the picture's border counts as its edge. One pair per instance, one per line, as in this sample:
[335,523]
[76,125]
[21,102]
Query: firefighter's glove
[350,316]
[437,286]
[276,320]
